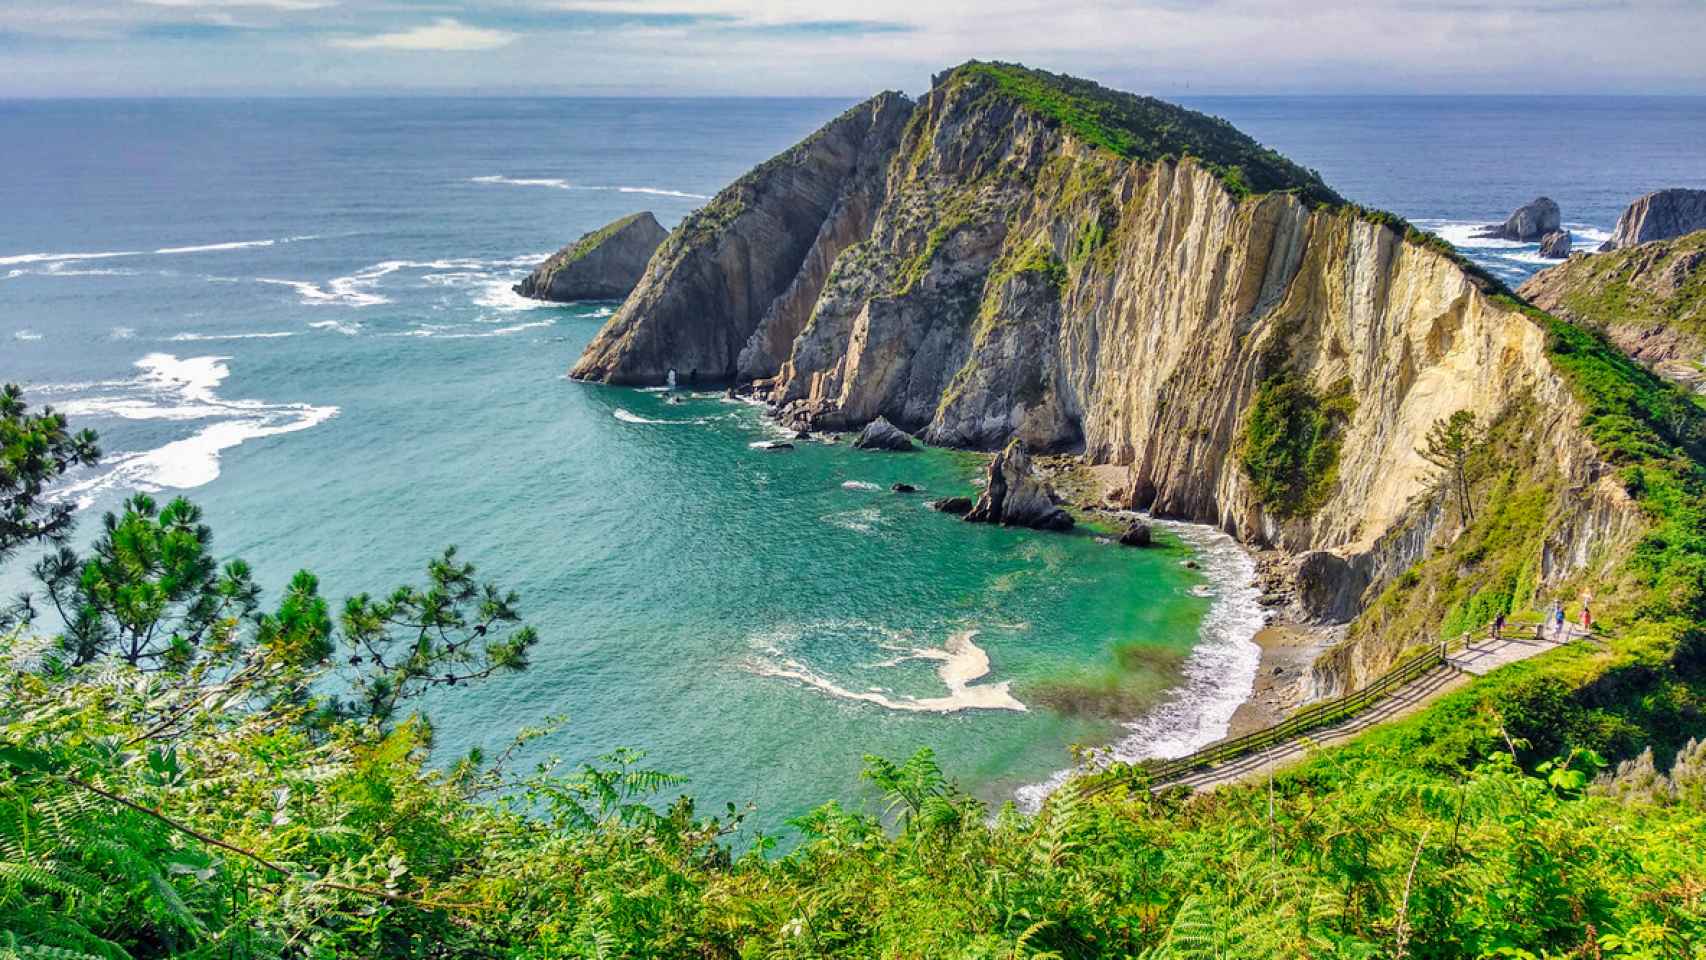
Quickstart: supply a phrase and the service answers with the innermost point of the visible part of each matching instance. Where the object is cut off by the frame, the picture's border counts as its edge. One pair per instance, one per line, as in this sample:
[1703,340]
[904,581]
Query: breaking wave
[557,183]
[1218,675]
[170,388]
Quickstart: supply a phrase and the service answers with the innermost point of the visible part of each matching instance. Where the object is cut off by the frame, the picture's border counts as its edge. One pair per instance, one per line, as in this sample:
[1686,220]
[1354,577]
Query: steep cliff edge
[1025,256]
[733,282]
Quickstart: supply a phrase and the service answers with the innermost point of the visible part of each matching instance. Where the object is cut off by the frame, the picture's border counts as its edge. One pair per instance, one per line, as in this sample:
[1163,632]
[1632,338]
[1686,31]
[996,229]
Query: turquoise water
[297,313]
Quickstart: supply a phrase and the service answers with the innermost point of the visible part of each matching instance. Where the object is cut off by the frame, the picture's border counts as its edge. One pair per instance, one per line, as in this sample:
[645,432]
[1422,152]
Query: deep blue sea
[296,312]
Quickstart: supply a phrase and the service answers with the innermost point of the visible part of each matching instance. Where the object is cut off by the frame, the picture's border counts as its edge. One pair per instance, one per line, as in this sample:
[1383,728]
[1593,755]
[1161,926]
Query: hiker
[1587,618]
[1557,620]
[1499,627]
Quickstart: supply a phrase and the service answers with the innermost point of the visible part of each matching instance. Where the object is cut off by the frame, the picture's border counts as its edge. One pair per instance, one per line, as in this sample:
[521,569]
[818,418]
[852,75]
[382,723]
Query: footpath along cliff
[1021,255]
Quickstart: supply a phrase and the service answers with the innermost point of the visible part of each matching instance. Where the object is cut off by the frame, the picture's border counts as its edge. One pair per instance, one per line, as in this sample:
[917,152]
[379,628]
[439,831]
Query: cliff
[1650,300]
[1025,256]
[602,265]
[1658,216]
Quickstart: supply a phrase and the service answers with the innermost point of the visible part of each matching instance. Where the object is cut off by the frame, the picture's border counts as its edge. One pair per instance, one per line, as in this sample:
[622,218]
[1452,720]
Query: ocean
[297,313]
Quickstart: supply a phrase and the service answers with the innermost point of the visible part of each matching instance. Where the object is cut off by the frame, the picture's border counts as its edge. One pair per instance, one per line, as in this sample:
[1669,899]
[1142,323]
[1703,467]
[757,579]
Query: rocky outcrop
[602,265]
[1649,300]
[880,434]
[958,506]
[1017,496]
[1659,216]
[1021,278]
[737,280]
[1136,535]
[1555,245]
[1531,221]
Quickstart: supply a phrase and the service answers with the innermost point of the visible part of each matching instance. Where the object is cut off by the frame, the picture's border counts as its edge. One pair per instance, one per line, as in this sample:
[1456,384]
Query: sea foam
[960,664]
[171,388]
[1218,675]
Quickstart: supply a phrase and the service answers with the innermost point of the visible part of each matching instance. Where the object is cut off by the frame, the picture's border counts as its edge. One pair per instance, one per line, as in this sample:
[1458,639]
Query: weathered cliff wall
[982,272]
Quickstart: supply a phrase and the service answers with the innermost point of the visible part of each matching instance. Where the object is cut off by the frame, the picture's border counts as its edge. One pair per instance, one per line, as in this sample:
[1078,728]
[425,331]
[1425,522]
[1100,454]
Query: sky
[844,48]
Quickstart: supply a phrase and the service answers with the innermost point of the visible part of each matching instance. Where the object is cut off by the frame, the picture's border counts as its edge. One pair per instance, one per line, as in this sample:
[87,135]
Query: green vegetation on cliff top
[1146,129]
[1654,284]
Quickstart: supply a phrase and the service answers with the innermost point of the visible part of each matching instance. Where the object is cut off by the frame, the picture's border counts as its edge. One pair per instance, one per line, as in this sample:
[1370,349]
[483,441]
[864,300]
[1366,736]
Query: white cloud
[444,33]
[232,4]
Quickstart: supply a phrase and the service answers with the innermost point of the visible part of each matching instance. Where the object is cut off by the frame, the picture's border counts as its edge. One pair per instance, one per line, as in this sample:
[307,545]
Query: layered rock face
[1659,216]
[602,265]
[1650,300]
[1003,274]
[1530,222]
[725,295]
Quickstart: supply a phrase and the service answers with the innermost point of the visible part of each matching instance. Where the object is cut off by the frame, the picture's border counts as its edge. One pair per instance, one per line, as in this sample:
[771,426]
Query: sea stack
[1531,221]
[1017,496]
[605,264]
[1659,216]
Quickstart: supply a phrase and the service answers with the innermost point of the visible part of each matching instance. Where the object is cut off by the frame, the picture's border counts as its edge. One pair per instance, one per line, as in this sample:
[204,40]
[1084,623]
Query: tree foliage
[1450,444]
[36,449]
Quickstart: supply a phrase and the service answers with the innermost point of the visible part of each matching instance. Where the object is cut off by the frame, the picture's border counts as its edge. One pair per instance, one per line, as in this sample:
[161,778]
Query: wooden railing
[1324,713]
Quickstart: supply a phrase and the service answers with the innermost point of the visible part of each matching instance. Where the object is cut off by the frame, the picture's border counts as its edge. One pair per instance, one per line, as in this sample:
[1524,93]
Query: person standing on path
[1499,627]
[1557,621]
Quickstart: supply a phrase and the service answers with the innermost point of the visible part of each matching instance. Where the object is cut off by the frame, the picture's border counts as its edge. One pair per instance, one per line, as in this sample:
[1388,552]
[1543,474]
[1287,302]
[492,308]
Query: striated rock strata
[602,265]
[1023,260]
[1659,216]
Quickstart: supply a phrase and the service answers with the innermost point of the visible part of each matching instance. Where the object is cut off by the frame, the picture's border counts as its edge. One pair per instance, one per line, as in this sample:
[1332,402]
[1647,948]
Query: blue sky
[844,48]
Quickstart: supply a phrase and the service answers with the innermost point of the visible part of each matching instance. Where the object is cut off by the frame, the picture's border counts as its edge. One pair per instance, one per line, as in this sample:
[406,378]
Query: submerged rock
[1529,223]
[1659,216]
[605,264]
[904,488]
[959,506]
[1136,535]
[1555,245]
[772,445]
[880,434]
[1017,496]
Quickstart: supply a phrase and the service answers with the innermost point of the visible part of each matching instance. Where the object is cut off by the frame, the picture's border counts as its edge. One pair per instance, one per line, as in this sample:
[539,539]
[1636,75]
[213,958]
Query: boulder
[1659,216]
[1136,535]
[605,264]
[959,506]
[880,434]
[1530,222]
[773,445]
[1015,495]
[904,488]
[1555,245]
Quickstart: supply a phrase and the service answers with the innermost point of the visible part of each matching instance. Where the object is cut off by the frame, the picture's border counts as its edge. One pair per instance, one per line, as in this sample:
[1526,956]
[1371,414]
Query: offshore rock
[959,506]
[1529,223]
[602,265]
[1017,496]
[880,434]
[1659,216]
[1555,245]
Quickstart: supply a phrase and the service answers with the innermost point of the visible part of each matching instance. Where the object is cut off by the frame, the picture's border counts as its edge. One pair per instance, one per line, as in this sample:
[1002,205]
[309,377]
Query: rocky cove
[1019,256]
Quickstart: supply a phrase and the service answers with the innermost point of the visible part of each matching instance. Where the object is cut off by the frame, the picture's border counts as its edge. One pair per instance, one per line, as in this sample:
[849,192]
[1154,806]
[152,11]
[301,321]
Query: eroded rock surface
[1016,495]
[1659,216]
[602,265]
